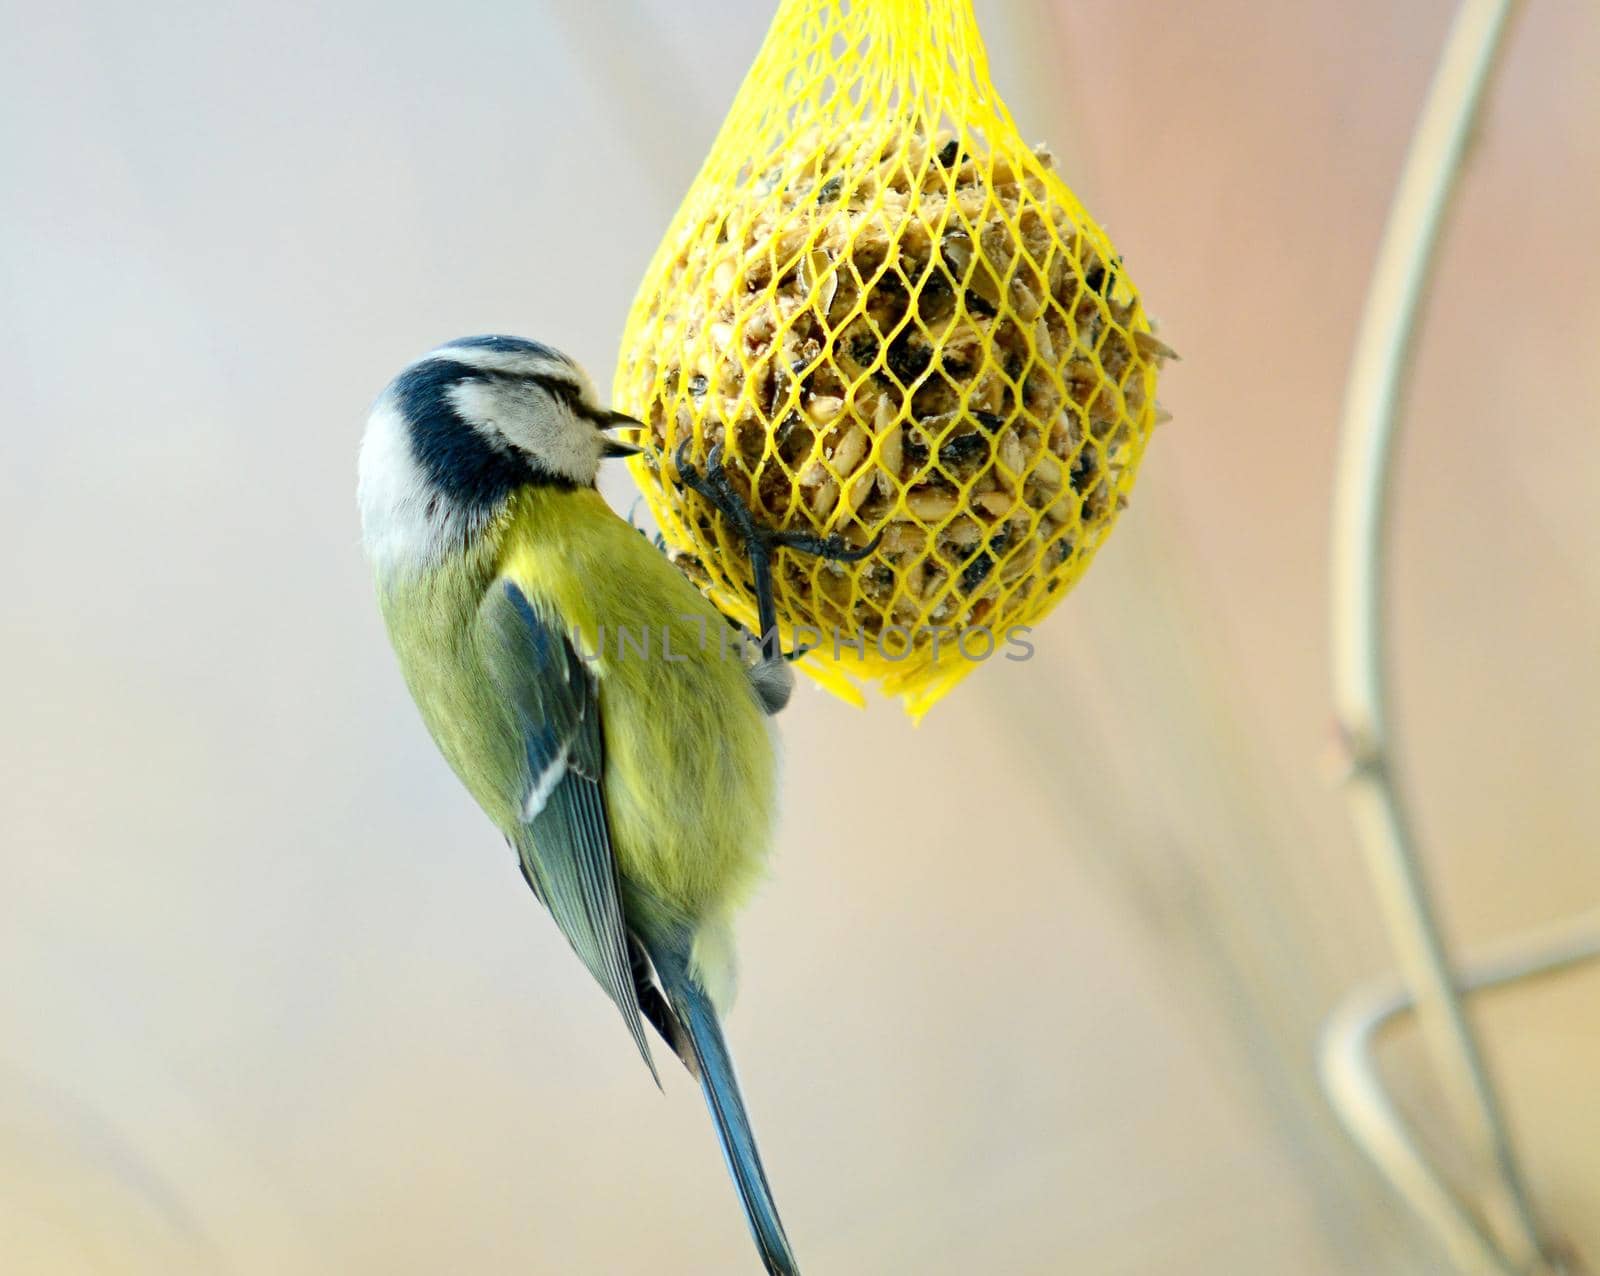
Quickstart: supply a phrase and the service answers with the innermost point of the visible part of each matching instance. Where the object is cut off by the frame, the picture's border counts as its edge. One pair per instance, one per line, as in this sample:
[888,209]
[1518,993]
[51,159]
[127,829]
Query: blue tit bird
[583,691]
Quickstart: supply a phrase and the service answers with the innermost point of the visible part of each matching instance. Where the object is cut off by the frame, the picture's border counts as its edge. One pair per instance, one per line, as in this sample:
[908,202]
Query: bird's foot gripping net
[714,486]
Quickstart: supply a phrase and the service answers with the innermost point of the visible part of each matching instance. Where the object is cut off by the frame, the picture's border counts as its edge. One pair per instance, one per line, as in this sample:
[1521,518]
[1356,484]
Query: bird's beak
[617,447]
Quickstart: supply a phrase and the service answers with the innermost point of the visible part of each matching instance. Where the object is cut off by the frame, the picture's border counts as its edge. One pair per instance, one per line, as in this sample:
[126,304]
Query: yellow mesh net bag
[898,321]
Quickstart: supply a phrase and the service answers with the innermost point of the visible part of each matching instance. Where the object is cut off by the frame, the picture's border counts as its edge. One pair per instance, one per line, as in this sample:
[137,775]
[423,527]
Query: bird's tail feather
[696,1013]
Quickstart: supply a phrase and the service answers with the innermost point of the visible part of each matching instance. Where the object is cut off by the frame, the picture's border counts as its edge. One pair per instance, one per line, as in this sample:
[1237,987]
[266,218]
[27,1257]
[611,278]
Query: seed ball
[892,336]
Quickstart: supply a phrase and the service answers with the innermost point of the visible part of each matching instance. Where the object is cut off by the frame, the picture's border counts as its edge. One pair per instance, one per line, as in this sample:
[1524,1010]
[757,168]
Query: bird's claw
[759,540]
[832,549]
[715,487]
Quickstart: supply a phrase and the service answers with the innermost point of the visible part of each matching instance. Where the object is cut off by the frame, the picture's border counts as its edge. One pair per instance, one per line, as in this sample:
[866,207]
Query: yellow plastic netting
[897,319]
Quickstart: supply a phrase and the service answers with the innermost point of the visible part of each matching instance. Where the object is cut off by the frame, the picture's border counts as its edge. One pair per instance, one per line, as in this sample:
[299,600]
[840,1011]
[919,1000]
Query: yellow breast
[690,766]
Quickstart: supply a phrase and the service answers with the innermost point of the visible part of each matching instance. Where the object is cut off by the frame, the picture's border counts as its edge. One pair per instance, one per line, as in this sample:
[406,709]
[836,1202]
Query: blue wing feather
[565,839]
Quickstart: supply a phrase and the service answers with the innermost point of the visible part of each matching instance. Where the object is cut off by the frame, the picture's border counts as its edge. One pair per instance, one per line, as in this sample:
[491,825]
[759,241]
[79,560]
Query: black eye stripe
[569,393]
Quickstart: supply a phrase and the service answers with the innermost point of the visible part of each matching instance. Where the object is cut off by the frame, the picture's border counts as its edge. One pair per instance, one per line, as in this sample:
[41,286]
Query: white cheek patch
[528,418]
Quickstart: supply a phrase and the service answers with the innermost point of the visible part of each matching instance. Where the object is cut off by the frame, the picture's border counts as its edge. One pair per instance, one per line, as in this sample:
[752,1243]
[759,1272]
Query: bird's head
[467,424]
[521,400]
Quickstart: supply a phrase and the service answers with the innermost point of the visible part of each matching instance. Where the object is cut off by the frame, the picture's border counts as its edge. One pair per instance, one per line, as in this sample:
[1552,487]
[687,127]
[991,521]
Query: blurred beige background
[1036,986]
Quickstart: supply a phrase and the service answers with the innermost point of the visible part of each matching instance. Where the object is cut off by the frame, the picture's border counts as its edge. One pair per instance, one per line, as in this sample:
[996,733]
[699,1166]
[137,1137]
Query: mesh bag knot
[899,321]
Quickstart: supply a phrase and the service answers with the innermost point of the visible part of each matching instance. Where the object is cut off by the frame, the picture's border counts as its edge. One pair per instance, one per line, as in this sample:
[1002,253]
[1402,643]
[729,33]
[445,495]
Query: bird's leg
[760,540]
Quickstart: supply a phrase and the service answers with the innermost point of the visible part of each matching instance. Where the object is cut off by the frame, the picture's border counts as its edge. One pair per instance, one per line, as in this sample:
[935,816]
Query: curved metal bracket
[1504,1236]
[1348,1065]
